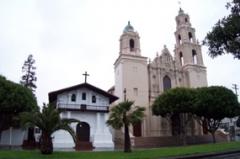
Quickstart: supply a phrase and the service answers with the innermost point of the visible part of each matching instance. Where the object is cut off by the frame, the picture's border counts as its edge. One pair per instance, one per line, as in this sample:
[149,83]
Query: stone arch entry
[83,132]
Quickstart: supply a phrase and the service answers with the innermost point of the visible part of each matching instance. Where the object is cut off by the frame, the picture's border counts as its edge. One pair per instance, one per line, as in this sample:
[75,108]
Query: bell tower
[131,76]
[129,41]
[188,53]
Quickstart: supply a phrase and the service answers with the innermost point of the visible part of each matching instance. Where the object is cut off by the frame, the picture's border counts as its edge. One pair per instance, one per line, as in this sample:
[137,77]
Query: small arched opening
[181,59]
[194,56]
[179,39]
[131,44]
[190,36]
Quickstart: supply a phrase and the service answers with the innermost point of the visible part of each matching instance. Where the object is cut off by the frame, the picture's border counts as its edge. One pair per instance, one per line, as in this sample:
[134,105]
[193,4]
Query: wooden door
[83,131]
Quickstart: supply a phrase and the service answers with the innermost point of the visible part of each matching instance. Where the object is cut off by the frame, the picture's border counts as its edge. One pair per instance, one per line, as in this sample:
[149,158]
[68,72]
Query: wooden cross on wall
[85,74]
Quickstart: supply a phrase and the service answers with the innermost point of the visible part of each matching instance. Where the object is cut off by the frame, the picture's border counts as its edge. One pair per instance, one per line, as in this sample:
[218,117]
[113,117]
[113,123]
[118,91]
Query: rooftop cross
[179,3]
[85,74]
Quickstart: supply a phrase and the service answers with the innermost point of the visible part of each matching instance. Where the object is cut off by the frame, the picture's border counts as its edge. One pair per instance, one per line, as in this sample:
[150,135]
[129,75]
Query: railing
[82,107]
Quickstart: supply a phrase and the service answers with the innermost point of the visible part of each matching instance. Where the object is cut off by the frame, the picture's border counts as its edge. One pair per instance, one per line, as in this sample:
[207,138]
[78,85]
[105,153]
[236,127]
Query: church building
[144,80]
[90,105]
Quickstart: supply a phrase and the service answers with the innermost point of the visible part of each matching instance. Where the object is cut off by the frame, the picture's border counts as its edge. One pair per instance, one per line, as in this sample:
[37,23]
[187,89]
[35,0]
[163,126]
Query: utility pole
[125,94]
[235,87]
[232,126]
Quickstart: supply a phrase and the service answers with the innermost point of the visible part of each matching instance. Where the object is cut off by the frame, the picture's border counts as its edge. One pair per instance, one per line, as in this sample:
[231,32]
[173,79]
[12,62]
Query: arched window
[166,83]
[190,37]
[94,99]
[179,39]
[83,96]
[186,20]
[181,59]
[194,56]
[131,44]
[73,98]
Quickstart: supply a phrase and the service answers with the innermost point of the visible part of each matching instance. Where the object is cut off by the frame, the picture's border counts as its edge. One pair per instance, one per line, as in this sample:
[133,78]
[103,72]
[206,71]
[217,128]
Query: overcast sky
[69,37]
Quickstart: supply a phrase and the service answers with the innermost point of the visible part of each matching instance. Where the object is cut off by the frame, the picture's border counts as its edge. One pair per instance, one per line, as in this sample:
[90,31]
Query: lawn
[136,154]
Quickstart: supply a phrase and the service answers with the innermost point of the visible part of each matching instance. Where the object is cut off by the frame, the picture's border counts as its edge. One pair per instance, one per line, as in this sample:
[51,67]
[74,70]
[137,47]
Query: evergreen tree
[213,104]
[28,80]
[225,35]
[29,77]
[14,99]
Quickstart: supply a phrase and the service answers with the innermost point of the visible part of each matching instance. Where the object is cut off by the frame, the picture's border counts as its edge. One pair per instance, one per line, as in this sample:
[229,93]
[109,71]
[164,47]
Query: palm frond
[136,115]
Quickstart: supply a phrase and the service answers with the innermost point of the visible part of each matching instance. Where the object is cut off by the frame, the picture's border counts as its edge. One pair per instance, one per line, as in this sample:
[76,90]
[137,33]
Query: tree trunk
[213,136]
[31,138]
[183,127]
[46,145]
[184,138]
[127,142]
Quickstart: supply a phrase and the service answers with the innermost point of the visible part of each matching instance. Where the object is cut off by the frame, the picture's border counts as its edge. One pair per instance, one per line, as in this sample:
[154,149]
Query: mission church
[136,79]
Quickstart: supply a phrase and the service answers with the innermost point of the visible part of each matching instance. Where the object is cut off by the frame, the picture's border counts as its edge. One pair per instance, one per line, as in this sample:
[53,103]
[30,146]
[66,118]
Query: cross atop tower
[85,74]
[179,4]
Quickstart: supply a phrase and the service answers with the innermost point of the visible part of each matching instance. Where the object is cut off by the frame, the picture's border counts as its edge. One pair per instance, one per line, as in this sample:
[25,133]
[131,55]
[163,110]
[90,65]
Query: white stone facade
[144,81]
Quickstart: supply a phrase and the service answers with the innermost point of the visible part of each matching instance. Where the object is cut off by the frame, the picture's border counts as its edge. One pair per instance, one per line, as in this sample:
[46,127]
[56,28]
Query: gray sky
[69,37]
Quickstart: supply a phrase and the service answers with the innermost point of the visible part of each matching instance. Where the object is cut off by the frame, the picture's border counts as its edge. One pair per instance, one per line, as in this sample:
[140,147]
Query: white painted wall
[100,135]
[12,138]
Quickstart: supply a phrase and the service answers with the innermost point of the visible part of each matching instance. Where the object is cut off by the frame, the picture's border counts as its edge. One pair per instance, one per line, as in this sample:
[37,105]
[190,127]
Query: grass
[136,154]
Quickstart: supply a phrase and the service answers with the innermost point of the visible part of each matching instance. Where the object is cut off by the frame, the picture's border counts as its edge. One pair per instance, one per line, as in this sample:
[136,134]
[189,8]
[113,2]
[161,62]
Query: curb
[215,154]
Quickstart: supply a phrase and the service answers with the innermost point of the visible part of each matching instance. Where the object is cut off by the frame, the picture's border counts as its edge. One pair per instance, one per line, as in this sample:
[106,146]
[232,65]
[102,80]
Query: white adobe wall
[14,138]
[100,134]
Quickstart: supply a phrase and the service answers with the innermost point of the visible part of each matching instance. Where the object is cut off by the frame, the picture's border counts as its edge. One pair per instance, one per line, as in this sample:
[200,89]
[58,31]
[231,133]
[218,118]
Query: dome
[128,28]
[180,11]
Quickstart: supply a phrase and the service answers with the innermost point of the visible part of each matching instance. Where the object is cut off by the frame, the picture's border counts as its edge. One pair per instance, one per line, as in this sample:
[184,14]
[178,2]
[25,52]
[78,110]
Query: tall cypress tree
[29,77]
[28,80]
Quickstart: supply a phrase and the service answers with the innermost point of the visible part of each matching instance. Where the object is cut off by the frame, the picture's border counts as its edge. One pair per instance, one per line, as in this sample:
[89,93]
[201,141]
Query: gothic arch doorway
[166,83]
[83,132]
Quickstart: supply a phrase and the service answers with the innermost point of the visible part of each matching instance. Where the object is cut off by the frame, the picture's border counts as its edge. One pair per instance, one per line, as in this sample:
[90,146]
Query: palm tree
[122,116]
[48,121]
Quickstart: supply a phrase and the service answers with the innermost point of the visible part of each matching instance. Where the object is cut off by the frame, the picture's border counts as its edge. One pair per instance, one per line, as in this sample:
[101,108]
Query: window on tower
[181,58]
[179,39]
[186,20]
[131,44]
[190,37]
[135,91]
[194,56]
[166,83]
